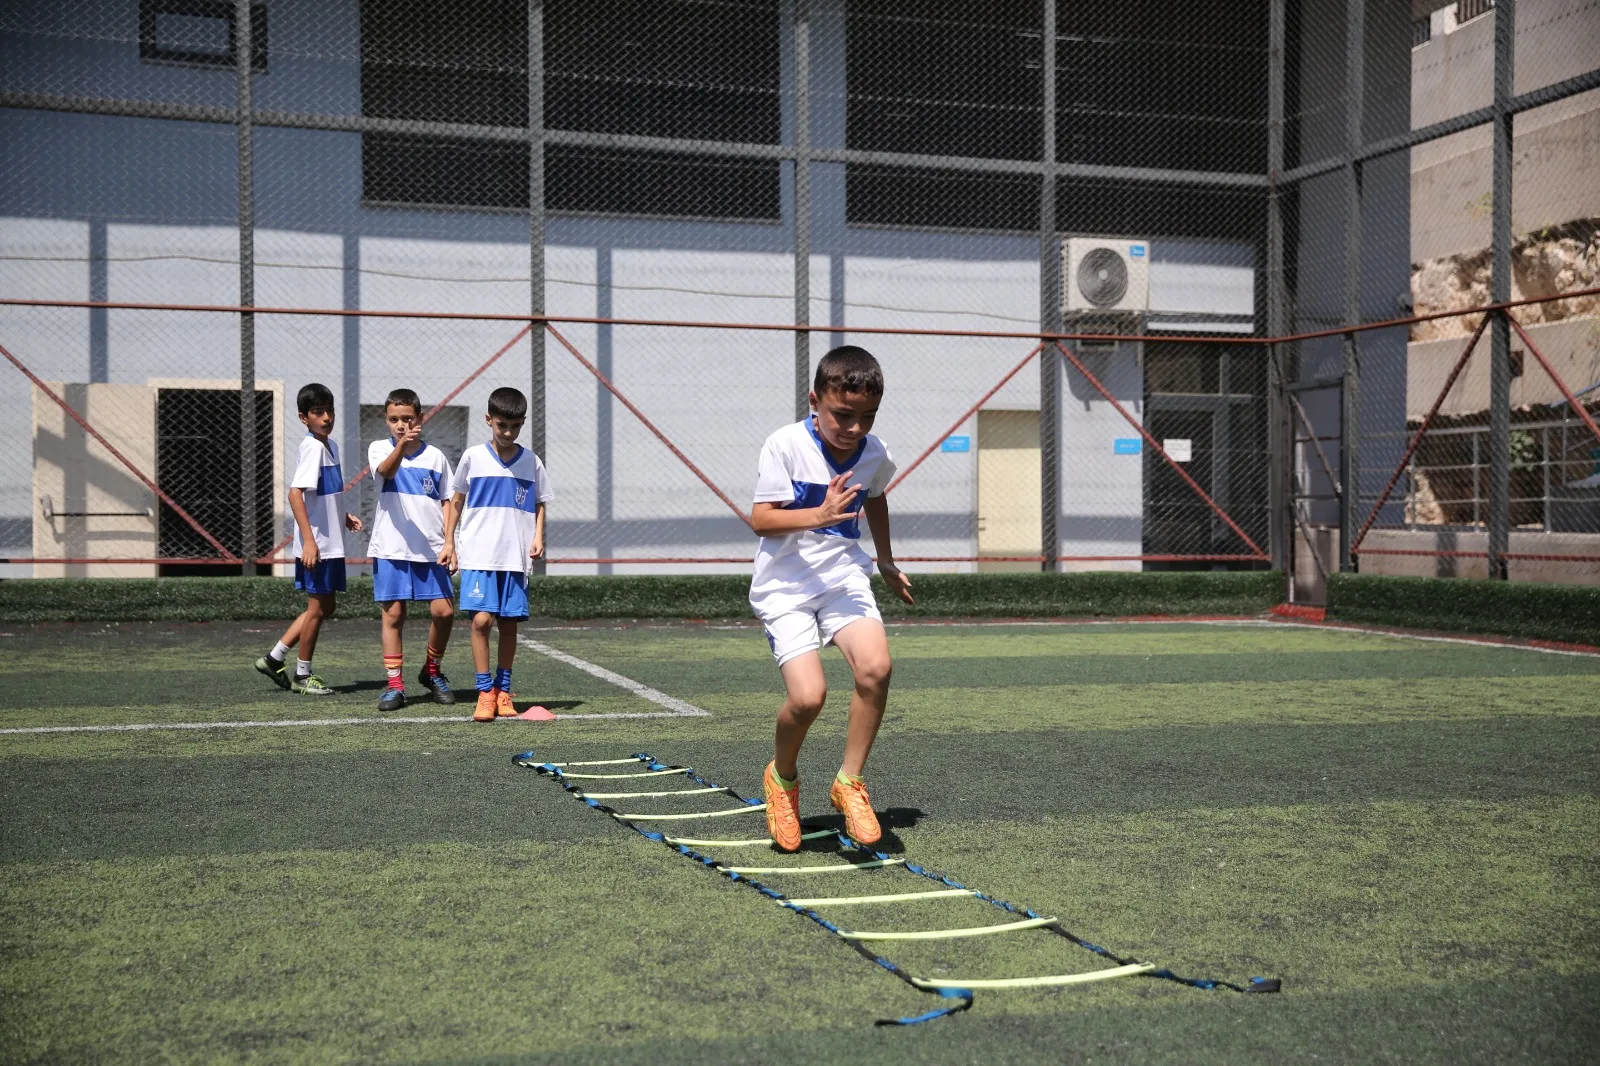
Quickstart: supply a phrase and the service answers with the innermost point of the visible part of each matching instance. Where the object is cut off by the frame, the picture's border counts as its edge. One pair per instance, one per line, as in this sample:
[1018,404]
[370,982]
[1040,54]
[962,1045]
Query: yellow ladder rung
[640,795]
[690,842]
[846,901]
[619,777]
[834,869]
[697,814]
[1039,982]
[952,934]
[595,762]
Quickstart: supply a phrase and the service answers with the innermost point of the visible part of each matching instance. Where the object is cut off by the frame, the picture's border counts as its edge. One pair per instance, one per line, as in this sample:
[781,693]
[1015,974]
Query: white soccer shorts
[813,623]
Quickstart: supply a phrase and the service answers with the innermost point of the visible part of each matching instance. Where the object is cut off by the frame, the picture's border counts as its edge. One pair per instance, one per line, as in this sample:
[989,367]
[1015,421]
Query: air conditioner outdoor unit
[1105,275]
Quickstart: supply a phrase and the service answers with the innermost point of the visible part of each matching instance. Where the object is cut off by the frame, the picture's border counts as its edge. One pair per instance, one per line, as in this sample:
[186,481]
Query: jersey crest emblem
[427,485]
[522,495]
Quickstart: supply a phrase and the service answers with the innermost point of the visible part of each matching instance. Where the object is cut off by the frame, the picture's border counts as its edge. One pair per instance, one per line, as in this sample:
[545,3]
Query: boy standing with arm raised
[414,486]
[493,530]
[812,582]
[316,497]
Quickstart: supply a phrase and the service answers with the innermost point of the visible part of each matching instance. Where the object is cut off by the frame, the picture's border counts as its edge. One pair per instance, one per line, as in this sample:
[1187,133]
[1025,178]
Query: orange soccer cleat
[484,712]
[783,810]
[503,705]
[852,801]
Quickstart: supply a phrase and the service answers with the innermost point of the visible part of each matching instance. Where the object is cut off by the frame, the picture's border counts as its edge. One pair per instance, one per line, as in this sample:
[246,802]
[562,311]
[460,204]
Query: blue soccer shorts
[500,592]
[405,579]
[327,576]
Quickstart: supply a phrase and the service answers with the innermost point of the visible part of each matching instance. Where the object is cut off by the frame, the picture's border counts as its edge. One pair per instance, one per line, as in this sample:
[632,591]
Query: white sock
[280,651]
[302,668]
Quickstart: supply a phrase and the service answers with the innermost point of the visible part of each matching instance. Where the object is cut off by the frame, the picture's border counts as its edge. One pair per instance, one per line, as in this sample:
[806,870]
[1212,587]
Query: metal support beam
[1505,13]
[244,52]
[1049,304]
[1350,406]
[1279,499]
[802,206]
[624,141]
[537,416]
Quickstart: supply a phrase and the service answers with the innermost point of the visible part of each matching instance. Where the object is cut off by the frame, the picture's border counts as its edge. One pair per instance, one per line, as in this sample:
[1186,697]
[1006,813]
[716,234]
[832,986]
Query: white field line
[675,708]
[1478,642]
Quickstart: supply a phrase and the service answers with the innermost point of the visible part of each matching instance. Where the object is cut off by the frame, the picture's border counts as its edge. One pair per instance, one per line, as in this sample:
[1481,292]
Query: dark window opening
[680,68]
[954,199]
[945,77]
[197,464]
[199,33]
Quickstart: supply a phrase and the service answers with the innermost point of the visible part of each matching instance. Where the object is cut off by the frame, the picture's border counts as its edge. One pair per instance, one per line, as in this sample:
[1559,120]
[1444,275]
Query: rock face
[1558,259]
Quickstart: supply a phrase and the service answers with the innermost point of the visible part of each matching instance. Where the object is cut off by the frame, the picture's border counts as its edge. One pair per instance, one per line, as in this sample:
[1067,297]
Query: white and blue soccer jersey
[409,521]
[794,471]
[496,528]
[316,470]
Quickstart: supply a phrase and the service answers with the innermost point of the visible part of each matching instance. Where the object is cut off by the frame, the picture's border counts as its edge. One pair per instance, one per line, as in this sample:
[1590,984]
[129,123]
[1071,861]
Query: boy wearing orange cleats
[812,583]
[493,530]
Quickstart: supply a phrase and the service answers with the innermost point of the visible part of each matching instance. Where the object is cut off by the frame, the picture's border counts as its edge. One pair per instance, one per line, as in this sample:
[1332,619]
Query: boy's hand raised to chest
[839,503]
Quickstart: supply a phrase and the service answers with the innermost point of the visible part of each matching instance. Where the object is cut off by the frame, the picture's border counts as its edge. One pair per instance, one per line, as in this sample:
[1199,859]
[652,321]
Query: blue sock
[485,682]
[502,678]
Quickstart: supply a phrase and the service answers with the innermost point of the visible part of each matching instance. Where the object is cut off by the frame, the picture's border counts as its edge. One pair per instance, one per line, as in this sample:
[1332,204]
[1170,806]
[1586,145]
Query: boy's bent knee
[807,704]
[442,610]
[874,674]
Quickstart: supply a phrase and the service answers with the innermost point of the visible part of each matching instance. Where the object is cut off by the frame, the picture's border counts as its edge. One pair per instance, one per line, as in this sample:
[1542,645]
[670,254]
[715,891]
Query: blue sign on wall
[956,444]
[1126,446]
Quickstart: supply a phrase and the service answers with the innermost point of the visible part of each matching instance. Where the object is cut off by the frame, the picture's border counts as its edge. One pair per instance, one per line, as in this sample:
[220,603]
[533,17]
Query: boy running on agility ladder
[812,582]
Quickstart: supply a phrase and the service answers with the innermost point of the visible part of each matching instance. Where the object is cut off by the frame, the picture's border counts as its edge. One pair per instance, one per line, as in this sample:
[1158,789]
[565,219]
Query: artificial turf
[1407,833]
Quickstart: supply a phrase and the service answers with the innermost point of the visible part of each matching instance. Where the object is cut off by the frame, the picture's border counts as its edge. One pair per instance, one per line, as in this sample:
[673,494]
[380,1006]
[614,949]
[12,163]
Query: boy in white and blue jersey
[316,498]
[812,582]
[415,483]
[493,532]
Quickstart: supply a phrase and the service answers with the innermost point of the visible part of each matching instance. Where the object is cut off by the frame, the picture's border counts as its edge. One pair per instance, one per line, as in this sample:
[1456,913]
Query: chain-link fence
[1105,253]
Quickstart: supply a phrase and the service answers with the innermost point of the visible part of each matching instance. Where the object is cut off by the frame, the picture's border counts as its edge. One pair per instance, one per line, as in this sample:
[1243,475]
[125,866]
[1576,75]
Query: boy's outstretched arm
[452,515]
[877,512]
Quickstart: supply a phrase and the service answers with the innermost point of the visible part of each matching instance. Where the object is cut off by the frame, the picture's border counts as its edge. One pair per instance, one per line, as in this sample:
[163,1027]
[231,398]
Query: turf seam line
[678,708]
[435,719]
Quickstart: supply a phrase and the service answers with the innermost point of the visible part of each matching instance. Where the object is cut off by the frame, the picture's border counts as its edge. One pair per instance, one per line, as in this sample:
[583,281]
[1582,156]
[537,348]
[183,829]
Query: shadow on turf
[462,696]
[889,820]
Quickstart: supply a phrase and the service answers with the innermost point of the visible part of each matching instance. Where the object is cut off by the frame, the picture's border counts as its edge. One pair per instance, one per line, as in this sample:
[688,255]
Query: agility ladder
[960,990]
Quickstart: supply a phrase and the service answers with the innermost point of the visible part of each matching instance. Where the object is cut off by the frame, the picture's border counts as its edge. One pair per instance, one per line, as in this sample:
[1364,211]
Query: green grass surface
[1407,833]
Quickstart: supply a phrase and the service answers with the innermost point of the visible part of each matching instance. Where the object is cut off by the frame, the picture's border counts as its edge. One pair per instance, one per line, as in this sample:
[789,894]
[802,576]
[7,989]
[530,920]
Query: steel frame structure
[1273,181]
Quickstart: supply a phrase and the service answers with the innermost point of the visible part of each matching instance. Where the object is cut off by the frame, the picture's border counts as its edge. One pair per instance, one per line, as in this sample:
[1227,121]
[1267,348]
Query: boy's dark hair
[848,368]
[509,404]
[315,394]
[404,398]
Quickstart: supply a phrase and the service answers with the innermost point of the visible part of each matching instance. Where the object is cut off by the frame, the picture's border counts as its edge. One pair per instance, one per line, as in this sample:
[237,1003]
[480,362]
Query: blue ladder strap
[528,760]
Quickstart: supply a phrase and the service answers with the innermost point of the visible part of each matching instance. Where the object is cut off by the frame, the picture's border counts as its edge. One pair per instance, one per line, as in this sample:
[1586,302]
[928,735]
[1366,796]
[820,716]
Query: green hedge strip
[203,599]
[1569,613]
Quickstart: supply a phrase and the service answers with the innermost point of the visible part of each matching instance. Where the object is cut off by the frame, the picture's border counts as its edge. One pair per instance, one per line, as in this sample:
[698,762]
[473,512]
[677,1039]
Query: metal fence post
[1049,305]
[1280,524]
[536,238]
[802,206]
[1500,291]
[1350,410]
[244,56]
